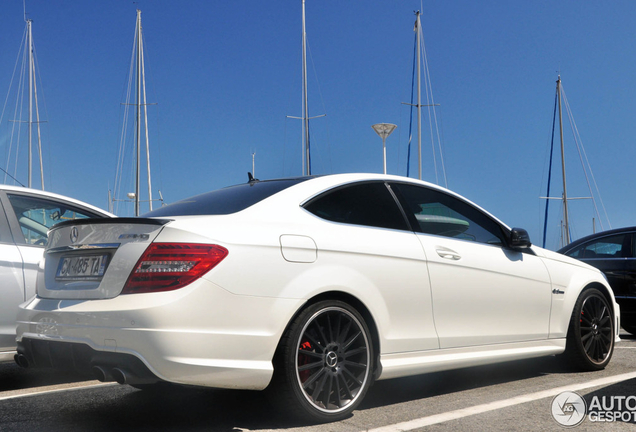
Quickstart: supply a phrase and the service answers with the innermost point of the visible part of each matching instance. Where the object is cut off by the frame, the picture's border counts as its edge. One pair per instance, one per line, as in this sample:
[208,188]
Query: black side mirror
[519,238]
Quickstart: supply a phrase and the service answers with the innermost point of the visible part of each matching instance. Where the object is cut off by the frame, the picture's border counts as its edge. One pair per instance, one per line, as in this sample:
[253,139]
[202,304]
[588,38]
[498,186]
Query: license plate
[82,267]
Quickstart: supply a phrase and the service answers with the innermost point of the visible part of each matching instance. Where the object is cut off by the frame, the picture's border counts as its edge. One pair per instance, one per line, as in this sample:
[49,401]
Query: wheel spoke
[314,377]
[345,332]
[310,366]
[352,377]
[586,336]
[586,319]
[327,395]
[353,364]
[600,350]
[319,386]
[351,339]
[337,392]
[336,335]
[329,329]
[354,352]
[588,345]
[599,308]
[597,352]
[321,333]
[346,384]
[311,354]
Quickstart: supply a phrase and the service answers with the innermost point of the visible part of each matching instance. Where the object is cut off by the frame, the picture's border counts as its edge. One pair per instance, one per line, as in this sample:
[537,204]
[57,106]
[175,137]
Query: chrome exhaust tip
[120,376]
[21,360]
[101,374]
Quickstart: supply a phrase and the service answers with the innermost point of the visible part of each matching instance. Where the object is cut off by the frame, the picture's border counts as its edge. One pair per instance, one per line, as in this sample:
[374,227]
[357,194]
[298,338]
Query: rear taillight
[170,266]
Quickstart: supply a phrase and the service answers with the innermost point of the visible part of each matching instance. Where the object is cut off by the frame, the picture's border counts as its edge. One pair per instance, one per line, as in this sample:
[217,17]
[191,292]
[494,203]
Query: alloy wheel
[333,359]
[596,329]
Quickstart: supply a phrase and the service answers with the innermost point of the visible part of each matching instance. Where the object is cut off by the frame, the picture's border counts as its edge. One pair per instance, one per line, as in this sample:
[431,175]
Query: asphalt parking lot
[506,397]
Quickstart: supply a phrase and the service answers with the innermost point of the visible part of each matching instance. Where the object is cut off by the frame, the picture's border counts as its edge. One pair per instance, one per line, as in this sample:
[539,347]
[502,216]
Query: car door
[11,285]
[483,292]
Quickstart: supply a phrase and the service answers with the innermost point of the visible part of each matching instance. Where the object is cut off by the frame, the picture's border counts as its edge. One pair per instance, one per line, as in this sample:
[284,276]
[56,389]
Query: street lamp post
[384,130]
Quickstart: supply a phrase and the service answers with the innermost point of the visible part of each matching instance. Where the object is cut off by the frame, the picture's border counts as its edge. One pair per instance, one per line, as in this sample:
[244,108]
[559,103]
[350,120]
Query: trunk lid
[92,258]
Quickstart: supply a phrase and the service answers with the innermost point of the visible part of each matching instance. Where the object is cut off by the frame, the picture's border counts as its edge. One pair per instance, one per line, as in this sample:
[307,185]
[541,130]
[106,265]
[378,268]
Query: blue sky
[225,75]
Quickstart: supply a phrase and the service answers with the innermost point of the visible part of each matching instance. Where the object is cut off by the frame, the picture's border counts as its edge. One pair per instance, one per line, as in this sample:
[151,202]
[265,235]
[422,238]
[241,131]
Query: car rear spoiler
[117,220]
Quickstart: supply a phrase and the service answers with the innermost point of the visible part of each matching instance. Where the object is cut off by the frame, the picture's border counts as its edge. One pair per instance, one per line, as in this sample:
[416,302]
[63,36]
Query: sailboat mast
[566,236]
[137,146]
[30,131]
[307,162]
[419,96]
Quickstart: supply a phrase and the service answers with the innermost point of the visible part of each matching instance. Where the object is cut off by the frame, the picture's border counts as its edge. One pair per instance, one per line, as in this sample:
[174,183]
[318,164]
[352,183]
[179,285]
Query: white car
[311,288]
[25,217]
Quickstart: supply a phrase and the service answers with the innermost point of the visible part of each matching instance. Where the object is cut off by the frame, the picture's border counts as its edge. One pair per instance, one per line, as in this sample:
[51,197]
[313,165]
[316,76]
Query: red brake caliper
[304,359]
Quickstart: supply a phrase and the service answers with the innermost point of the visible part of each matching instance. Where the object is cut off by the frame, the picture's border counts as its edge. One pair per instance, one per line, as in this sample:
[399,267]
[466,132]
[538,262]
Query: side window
[616,246]
[37,215]
[369,204]
[434,212]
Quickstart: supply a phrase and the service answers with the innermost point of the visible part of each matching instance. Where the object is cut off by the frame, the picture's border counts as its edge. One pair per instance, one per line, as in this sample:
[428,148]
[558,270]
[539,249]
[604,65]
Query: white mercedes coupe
[310,288]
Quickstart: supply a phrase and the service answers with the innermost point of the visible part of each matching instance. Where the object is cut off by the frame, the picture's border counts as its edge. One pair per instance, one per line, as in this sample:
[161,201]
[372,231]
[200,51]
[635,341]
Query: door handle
[448,254]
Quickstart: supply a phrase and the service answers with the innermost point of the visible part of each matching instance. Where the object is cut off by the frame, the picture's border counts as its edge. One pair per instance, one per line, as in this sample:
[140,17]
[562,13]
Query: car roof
[594,236]
[46,194]
[307,190]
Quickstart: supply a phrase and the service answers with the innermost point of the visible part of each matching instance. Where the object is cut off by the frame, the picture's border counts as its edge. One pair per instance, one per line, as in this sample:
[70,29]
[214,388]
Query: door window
[369,204]
[616,246]
[435,212]
[37,215]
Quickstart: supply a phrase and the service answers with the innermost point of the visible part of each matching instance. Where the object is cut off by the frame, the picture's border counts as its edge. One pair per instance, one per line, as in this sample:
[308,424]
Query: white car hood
[555,256]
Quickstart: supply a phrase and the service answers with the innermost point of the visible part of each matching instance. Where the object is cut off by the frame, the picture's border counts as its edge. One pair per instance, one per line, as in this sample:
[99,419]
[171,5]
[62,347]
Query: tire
[324,364]
[590,340]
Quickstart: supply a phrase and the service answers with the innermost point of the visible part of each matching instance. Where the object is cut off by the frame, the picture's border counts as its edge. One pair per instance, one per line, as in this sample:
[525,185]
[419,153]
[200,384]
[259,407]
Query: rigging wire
[585,161]
[157,153]
[313,65]
[6,100]
[121,156]
[19,106]
[431,108]
[15,179]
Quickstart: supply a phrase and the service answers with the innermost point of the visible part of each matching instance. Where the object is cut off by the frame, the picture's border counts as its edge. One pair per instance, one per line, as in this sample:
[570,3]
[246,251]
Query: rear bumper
[103,365]
[198,335]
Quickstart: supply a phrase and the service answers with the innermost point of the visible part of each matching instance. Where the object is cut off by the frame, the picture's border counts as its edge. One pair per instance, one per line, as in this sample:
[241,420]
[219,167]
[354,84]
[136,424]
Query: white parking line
[37,391]
[479,409]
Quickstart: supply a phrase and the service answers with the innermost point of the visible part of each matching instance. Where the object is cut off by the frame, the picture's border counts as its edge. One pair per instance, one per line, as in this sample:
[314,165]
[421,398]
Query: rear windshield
[226,201]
